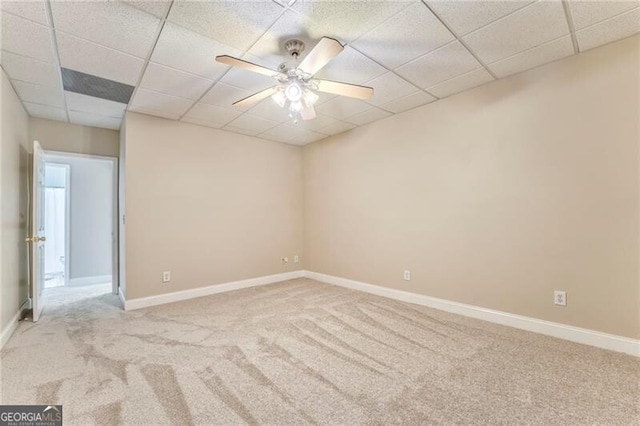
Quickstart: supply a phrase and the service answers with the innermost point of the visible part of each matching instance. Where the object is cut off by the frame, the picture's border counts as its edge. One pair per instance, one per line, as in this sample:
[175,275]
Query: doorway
[80,226]
[57,209]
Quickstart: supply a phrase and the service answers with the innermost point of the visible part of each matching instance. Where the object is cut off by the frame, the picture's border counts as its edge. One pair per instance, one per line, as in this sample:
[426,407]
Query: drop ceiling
[411,52]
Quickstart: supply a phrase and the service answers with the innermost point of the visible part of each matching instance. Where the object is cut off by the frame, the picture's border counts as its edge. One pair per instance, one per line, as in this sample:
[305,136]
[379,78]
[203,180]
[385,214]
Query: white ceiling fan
[296,86]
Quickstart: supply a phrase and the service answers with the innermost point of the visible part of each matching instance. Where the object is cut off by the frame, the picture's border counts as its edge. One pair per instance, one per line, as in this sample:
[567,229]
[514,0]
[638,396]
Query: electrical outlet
[166,276]
[560,298]
[407,275]
[284,259]
[296,259]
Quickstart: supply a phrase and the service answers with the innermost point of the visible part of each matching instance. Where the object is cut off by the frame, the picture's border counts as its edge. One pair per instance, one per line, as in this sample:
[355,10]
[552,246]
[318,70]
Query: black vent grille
[87,84]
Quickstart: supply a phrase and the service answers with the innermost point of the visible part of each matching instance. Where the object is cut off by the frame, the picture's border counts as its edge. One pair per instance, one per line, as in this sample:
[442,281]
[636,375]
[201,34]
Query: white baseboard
[99,279]
[13,324]
[575,334]
[177,296]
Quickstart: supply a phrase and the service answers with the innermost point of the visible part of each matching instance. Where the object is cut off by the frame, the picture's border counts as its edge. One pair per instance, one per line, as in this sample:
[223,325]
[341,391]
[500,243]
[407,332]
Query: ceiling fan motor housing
[294,48]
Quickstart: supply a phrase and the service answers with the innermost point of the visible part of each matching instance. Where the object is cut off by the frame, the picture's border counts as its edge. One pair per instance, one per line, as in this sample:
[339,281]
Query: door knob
[40,239]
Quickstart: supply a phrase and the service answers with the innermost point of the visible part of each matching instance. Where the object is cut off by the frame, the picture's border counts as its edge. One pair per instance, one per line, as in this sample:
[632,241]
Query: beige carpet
[302,352]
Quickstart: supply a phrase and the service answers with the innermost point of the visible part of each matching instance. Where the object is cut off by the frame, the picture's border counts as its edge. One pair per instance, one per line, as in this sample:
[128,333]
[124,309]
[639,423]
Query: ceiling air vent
[90,85]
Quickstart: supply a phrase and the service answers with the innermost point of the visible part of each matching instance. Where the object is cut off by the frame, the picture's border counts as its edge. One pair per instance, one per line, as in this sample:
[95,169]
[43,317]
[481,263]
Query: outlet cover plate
[560,297]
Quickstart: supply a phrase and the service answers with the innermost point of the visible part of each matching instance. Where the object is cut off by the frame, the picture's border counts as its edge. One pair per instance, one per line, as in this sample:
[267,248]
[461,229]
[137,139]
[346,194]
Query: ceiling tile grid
[442,64]
[174,82]
[463,82]
[412,52]
[412,32]
[26,38]
[615,28]
[528,27]
[252,124]
[110,24]
[210,115]
[30,70]
[533,57]
[237,24]
[91,58]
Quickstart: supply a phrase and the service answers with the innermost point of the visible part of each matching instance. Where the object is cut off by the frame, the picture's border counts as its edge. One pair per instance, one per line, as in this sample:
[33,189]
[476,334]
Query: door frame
[60,156]
[67,214]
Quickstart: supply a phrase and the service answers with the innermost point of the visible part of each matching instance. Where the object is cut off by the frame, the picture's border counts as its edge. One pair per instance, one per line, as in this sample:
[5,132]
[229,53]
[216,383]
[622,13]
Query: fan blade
[326,49]
[344,89]
[308,113]
[249,66]
[256,97]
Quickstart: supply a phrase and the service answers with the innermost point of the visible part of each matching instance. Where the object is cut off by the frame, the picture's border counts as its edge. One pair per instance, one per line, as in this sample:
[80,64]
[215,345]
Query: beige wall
[495,197]
[66,137]
[208,205]
[14,167]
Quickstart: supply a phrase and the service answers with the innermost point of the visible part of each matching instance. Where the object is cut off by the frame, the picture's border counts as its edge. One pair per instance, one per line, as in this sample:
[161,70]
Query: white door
[37,238]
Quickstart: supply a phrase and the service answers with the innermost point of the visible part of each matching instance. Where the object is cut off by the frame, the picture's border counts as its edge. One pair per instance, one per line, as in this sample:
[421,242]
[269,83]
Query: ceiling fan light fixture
[293,92]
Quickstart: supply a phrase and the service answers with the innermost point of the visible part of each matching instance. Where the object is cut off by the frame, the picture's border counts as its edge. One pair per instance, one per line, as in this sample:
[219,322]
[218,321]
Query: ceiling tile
[91,58]
[342,107]
[610,30]
[407,35]
[111,24]
[531,58]
[346,20]
[225,95]
[92,105]
[239,130]
[155,101]
[155,113]
[528,27]
[337,127]
[280,133]
[30,70]
[460,83]
[307,138]
[252,124]
[210,115]
[94,120]
[235,23]
[465,16]
[269,49]
[409,102]
[26,38]
[270,110]
[589,12]
[35,93]
[388,87]
[351,66]
[368,116]
[187,51]
[31,10]
[155,7]
[447,62]
[173,82]
[45,111]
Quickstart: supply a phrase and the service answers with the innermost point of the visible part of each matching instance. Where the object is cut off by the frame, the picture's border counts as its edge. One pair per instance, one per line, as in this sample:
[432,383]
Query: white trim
[561,331]
[98,279]
[123,298]
[13,324]
[161,299]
